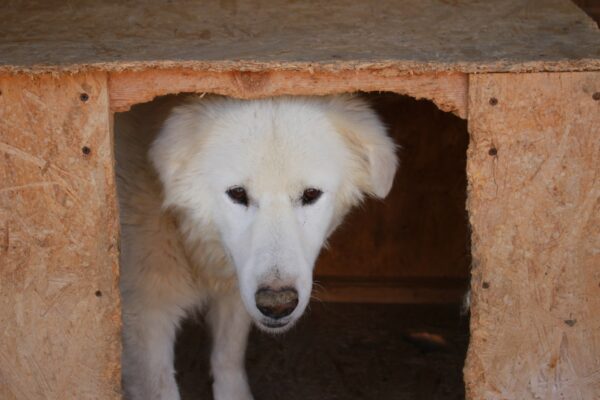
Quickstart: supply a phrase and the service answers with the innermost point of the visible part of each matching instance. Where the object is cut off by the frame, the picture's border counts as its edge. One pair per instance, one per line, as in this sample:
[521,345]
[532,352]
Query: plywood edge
[331,66]
[447,90]
[390,291]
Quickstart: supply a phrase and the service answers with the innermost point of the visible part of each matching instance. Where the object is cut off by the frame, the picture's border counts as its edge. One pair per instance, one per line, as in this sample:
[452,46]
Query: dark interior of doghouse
[386,319]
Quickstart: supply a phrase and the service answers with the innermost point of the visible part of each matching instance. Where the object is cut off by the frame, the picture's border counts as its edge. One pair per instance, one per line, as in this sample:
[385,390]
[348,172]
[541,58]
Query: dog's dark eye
[310,195]
[238,195]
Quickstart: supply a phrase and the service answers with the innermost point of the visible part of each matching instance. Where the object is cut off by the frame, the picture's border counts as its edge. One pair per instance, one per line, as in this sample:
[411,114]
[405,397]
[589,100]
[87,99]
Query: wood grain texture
[389,290]
[59,299]
[447,90]
[534,204]
[328,35]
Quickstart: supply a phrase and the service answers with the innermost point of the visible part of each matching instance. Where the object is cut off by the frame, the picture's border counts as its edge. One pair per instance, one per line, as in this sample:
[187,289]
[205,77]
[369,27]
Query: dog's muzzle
[276,304]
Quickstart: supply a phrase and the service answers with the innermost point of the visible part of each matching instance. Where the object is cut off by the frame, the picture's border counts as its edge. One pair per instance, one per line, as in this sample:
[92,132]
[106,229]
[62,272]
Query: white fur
[187,246]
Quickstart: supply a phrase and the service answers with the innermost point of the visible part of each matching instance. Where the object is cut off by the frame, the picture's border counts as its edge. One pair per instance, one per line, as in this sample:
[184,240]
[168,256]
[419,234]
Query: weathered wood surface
[59,299]
[534,204]
[256,35]
[447,90]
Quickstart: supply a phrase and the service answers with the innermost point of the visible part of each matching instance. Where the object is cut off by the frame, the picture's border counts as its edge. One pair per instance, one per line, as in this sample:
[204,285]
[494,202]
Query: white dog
[225,205]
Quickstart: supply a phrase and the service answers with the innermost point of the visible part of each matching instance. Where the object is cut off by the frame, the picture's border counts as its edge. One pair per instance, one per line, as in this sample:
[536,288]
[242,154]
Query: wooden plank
[342,289]
[326,35]
[534,204]
[447,91]
[59,298]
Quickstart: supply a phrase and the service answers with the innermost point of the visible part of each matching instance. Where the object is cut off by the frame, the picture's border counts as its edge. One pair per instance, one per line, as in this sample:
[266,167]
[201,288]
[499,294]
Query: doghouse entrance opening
[385,321]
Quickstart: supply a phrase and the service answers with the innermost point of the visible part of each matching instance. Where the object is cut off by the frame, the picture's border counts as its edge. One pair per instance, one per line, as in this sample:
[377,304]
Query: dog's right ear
[366,136]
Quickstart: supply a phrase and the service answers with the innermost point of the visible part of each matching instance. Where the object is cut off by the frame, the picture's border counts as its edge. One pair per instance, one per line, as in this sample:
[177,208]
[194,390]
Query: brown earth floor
[344,351]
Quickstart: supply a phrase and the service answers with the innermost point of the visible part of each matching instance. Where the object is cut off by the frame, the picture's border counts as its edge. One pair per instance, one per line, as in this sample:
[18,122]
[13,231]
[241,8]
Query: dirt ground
[345,351]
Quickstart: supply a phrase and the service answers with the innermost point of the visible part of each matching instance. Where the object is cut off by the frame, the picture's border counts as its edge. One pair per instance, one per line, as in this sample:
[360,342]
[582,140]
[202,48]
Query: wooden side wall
[534,205]
[59,299]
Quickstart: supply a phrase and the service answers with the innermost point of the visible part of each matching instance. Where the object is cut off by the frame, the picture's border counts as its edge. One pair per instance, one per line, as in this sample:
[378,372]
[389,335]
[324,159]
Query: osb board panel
[421,229]
[410,35]
[534,204]
[59,299]
[447,90]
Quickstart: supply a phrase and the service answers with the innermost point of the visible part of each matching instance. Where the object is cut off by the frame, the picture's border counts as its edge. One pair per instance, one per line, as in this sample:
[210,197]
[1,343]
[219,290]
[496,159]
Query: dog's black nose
[276,304]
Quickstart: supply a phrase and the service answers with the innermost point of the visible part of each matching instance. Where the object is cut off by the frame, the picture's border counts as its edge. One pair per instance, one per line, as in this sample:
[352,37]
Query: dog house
[525,75]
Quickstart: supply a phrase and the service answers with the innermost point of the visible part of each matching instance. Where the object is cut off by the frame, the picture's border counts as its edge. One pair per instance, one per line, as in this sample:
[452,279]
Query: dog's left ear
[367,137]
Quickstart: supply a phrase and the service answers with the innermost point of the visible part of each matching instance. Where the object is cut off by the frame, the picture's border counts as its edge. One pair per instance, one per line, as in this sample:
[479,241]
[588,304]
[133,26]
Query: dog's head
[273,178]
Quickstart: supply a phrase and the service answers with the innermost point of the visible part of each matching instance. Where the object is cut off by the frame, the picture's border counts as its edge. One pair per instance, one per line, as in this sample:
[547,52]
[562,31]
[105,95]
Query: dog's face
[273,177]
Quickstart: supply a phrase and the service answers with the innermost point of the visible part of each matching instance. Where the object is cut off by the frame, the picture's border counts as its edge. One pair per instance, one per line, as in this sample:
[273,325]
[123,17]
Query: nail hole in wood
[493,101]
[595,96]
[98,293]
[485,285]
[493,152]
[84,97]
[86,150]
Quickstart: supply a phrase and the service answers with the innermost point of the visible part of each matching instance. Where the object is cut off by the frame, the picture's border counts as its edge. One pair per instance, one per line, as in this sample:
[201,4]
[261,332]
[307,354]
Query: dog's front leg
[230,323]
[148,339]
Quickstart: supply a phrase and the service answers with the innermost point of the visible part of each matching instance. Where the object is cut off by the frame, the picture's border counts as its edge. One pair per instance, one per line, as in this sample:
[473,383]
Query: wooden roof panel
[412,35]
